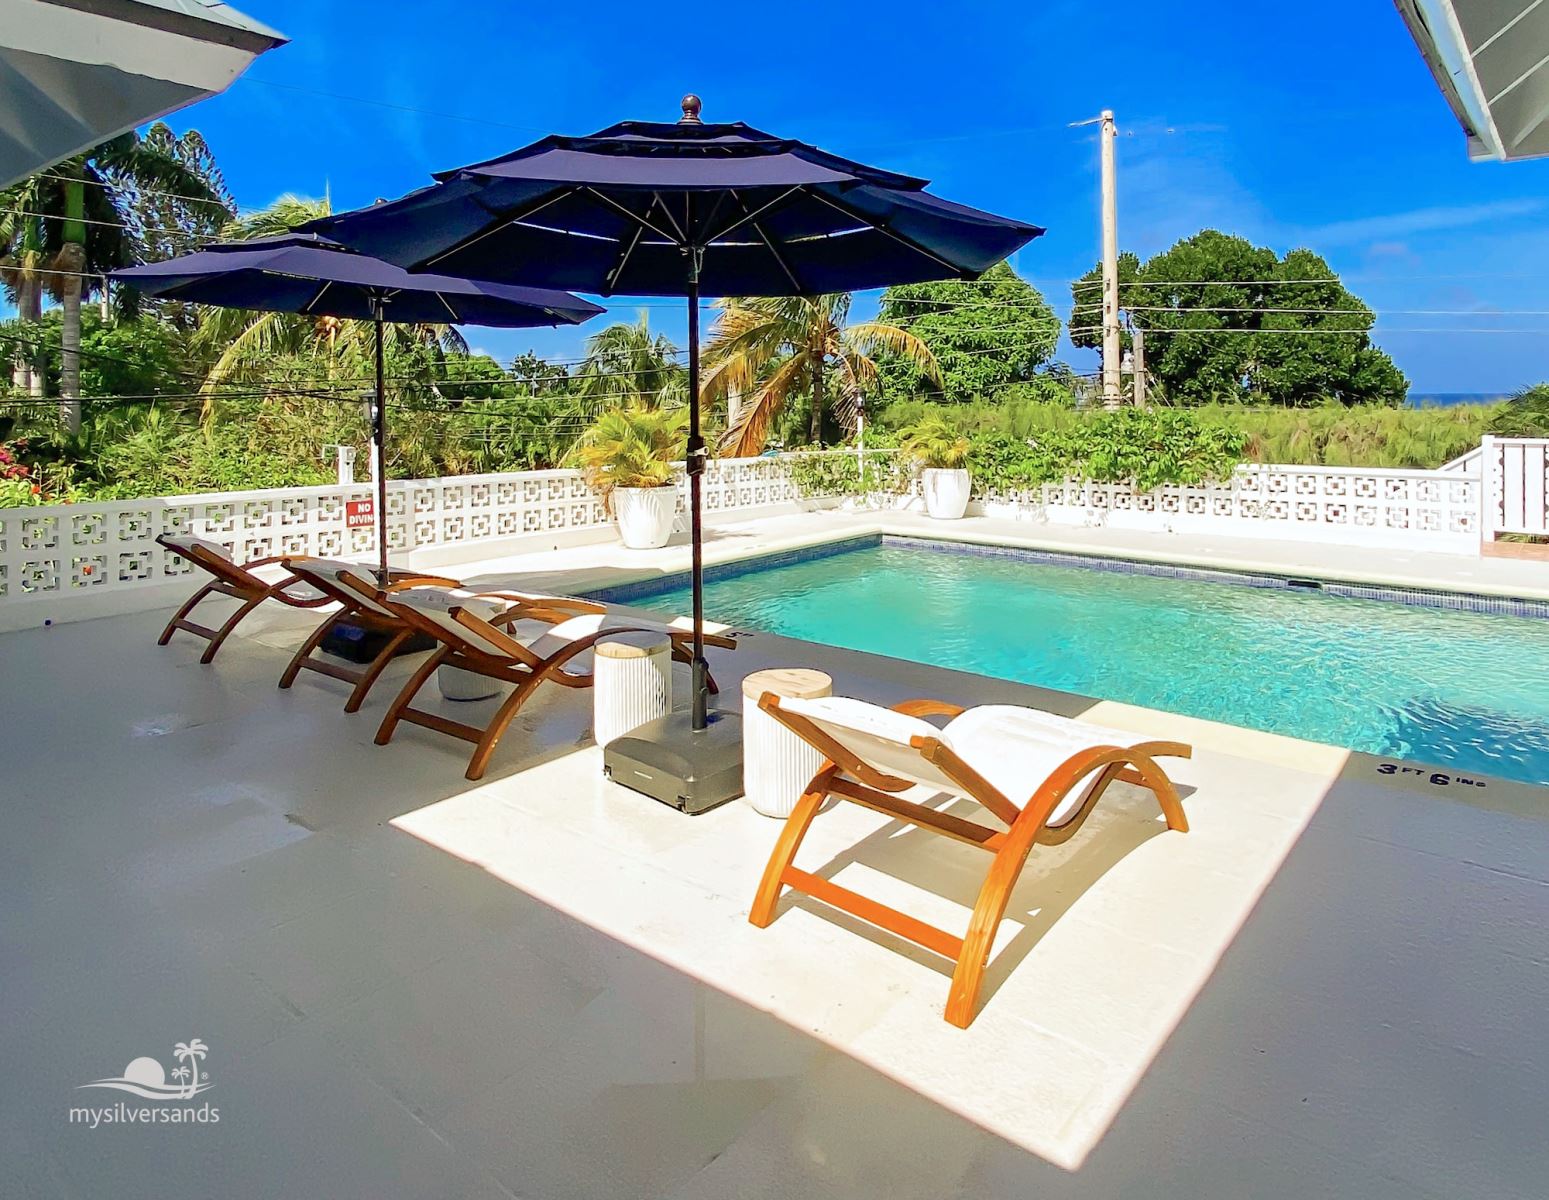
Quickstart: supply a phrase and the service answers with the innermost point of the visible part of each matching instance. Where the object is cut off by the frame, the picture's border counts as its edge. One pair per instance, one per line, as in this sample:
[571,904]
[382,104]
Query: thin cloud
[1419,220]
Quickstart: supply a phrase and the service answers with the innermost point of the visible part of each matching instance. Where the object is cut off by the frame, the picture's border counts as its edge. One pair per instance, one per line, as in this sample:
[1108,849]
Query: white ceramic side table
[632,683]
[776,764]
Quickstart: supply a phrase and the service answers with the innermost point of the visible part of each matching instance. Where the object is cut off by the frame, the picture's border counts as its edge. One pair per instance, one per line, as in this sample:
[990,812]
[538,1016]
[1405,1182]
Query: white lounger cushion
[877,736]
[1015,749]
[436,604]
[187,541]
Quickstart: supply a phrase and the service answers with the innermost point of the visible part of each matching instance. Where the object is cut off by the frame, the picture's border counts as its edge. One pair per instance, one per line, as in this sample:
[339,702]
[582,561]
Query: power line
[137,190]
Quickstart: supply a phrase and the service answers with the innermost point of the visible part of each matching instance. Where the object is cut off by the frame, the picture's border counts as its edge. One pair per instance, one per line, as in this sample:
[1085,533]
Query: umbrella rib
[777,256]
[520,215]
[756,213]
[456,320]
[900,238]
[618,267]
[634,216]
[312,303]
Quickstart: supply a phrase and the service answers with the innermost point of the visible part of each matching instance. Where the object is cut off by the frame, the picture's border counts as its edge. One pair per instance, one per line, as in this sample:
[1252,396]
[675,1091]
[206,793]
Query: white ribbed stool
[776,764]
[631,683]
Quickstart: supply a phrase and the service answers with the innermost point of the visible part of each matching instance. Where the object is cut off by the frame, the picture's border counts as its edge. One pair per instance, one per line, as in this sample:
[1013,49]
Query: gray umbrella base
[668,760]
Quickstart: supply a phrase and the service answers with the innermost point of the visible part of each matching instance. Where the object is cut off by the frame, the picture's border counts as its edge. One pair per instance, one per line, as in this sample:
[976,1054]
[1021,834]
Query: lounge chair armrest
[557,603]
[927,707]
[686,637]
[266,561]
[412,581]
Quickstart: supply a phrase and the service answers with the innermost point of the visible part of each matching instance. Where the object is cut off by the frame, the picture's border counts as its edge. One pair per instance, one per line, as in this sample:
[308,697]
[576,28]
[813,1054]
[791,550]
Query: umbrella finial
[691,106]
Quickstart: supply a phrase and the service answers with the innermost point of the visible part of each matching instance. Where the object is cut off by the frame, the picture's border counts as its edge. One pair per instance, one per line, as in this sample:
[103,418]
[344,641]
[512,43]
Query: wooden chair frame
[229,579]
[355,606]
[846,777]
[516,664]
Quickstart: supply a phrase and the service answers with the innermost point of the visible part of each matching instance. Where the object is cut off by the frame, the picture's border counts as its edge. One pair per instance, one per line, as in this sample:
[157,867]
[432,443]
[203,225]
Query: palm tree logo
[190,1052]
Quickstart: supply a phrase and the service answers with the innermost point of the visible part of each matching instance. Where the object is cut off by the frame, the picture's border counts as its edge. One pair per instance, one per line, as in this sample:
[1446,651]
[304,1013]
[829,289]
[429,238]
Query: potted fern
[627,457]
[941,453]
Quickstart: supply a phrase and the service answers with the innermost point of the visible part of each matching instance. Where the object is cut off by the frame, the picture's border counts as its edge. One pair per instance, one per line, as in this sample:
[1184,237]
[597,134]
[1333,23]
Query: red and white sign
[359,514]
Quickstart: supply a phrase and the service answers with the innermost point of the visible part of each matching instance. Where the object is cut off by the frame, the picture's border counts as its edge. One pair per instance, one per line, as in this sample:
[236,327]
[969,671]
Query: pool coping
[1442,598]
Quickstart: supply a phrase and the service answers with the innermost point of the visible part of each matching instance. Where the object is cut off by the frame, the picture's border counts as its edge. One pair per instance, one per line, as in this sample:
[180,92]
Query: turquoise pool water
[1464,690]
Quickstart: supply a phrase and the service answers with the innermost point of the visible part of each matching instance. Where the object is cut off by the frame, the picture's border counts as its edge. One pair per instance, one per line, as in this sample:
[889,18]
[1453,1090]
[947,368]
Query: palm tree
[765,350]
[192,1051]
[244,344]
[180,1074]
[628,365]
[89,214]
[21,272]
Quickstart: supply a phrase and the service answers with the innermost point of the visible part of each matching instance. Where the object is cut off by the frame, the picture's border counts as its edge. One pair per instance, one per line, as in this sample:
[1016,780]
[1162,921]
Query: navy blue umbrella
[684,209]
[311,275]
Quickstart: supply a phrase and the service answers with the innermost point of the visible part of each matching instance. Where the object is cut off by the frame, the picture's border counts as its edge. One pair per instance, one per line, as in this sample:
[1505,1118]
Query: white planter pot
[946,492]
[645,515]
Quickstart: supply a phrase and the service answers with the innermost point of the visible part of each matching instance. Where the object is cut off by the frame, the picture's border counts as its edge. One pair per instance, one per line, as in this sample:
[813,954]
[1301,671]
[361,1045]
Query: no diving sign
[359,514]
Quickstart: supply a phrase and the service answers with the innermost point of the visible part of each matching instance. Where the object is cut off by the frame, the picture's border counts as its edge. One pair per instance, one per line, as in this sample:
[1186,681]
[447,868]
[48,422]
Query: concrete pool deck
[544,985]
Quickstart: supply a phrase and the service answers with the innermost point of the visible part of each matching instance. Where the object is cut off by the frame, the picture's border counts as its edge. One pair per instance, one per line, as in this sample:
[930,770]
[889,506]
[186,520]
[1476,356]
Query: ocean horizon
[1452,399]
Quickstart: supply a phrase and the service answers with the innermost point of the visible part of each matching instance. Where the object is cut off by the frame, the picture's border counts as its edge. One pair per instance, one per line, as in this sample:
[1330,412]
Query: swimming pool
[1461,689]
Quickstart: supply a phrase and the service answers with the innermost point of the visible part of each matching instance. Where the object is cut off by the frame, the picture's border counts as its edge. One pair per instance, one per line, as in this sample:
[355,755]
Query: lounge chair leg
[796,825]
[384,733]
[225,630]
[305,652]
[1165,792]
[177,618]
[378,665]
[968,977]
[493,731]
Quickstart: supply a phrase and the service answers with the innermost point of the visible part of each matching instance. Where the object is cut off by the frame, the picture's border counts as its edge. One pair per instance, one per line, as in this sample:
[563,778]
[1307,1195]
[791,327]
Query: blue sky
[1313,124]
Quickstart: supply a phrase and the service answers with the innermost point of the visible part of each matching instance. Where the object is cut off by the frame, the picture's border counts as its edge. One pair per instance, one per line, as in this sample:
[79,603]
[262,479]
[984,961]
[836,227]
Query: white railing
[1514,474]
[1416,510]
[103,557]
[106,553]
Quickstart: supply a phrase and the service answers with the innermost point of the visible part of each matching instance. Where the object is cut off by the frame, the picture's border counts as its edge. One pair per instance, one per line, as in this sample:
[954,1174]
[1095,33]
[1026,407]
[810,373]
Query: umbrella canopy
[684,209]
[74,73]
[307,274]
[613,213]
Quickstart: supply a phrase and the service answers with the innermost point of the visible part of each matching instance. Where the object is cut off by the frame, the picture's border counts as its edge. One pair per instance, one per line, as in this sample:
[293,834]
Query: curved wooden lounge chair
[354,588]
[986,754]
[481,634]
[251,582]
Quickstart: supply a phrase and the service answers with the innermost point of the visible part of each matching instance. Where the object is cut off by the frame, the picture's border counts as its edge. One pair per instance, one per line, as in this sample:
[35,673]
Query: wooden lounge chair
[522,640]
[987,754]
[354,588]
[251,582]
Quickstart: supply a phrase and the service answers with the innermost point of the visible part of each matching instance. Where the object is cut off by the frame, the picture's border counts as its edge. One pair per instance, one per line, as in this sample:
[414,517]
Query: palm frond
[746,438]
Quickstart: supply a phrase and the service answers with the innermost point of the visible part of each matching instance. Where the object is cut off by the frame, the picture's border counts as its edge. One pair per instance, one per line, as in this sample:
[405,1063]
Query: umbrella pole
[379,437]
[696,467]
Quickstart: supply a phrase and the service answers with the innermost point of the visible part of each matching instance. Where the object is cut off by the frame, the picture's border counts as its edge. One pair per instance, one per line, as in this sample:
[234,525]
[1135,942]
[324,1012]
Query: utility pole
[1138,341]
[1111,396]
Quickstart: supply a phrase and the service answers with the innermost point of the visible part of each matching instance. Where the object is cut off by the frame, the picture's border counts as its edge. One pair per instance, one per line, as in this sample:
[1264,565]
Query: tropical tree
[764,351]
[1227,320]
[986,333]
[627,364]
[191,1051]
[85,213]
[244,343]
[180,1074]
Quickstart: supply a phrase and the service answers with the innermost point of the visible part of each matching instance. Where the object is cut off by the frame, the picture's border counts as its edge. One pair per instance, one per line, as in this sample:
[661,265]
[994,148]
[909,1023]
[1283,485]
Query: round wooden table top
[793,683]
[632,645]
